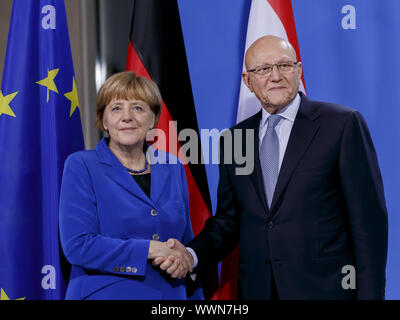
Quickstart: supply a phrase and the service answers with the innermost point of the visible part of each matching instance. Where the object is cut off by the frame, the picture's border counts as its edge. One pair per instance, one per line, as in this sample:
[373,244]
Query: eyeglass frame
[254,70]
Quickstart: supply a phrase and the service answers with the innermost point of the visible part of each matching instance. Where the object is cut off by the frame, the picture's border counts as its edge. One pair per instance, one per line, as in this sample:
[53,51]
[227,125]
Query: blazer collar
[117,172]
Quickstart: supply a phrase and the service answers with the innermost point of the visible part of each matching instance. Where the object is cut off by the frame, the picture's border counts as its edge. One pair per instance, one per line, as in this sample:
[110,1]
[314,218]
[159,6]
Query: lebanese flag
[156,51]
[267,17]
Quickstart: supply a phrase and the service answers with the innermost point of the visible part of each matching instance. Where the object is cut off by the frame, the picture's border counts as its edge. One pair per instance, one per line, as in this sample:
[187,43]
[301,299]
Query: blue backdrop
[356,66]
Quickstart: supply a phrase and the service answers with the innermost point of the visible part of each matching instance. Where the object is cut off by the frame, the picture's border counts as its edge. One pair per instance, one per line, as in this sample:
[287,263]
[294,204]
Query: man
[312,214]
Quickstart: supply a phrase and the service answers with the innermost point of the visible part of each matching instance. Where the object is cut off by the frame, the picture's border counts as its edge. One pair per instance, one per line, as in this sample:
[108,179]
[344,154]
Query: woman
[116,210]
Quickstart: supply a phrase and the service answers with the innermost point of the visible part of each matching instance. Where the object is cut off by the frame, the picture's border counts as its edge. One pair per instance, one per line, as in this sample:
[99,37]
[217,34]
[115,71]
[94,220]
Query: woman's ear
[105,126]
[154,122]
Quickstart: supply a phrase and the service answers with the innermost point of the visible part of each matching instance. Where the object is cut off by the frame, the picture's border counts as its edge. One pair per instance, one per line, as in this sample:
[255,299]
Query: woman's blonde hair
[126,85]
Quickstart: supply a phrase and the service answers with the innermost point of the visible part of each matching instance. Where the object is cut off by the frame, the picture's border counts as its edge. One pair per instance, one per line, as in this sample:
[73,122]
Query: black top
[143,180]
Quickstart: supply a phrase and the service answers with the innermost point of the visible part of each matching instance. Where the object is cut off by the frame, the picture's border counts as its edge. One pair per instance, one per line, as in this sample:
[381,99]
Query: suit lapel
[256,175]
[303,131]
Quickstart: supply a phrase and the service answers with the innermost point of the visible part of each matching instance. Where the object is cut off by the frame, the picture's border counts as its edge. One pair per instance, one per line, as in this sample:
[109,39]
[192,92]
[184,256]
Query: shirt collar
[289,112]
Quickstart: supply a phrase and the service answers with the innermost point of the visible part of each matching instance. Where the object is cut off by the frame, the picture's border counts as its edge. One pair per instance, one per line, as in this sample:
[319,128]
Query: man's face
[277,89]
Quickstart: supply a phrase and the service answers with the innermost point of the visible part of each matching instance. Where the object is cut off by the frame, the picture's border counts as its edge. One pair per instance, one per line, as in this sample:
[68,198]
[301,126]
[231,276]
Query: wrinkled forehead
[269,51]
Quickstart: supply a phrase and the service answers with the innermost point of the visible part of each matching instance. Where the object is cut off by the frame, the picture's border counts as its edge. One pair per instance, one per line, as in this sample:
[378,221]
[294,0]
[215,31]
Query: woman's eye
[137,108]
[115,108]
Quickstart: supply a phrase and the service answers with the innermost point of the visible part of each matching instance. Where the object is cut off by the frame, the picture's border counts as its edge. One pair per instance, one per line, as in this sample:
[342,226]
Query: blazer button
[156,237]
[116,269]
[153,212]
[134,269]
[128,269]
[122,269]
[270,225]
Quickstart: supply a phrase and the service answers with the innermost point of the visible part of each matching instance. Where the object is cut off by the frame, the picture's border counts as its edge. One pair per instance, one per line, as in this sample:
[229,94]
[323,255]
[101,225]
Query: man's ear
[300,69]
[246,80]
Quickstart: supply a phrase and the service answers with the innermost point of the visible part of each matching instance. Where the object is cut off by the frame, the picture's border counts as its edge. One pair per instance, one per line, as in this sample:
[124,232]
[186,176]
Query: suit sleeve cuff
[194,256]
[136,262]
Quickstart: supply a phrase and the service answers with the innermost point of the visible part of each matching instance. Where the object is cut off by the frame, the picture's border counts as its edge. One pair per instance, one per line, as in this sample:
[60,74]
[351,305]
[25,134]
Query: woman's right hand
[172,258]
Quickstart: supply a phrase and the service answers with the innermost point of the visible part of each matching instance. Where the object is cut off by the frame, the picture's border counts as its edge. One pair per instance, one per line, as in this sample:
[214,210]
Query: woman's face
[128,122]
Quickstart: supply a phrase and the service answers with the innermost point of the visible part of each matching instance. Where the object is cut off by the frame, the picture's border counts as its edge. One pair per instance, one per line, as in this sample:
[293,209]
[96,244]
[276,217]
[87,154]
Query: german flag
[157,51]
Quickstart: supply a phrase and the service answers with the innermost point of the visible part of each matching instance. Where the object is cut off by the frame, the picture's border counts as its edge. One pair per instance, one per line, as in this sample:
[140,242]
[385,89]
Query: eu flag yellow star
[5,104]
[73,97]
[48,82]
[3,296]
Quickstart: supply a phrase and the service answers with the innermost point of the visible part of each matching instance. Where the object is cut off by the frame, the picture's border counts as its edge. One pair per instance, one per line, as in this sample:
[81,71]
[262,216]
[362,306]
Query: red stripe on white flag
[267,17]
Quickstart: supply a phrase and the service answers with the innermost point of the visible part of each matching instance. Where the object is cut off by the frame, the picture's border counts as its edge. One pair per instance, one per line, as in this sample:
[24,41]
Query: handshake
[172,257]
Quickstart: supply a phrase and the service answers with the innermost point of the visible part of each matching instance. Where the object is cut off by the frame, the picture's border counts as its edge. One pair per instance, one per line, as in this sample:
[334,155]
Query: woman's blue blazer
[107,222]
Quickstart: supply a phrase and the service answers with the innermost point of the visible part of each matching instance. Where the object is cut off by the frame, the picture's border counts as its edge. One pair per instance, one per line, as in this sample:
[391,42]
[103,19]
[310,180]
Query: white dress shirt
[283,128]
[194,255]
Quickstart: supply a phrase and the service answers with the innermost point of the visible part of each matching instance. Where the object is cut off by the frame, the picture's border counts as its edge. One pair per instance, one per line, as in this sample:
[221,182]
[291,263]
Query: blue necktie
[269,157]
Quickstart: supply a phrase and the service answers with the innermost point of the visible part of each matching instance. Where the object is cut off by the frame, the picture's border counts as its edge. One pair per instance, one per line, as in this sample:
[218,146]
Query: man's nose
[275,74]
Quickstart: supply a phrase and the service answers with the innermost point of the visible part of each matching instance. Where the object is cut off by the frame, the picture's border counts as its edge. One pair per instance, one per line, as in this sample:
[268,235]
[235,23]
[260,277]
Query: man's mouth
[276,88]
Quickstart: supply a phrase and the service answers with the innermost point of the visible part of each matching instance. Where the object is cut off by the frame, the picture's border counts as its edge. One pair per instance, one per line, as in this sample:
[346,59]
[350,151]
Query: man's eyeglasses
[265,70]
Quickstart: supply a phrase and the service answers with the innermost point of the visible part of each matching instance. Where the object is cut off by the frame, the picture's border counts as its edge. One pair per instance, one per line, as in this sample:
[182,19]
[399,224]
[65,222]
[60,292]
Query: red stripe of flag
[284,10]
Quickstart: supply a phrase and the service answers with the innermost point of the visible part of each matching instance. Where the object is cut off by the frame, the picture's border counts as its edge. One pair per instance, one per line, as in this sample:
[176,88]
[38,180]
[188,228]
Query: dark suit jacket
[328,211]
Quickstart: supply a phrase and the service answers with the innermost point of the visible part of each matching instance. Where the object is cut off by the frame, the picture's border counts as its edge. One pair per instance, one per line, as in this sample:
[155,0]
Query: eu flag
[39,127]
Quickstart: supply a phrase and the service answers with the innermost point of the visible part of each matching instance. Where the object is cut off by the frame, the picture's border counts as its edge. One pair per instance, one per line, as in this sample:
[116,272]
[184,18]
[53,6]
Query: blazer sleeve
[220,234]
[81,239]
[364,196]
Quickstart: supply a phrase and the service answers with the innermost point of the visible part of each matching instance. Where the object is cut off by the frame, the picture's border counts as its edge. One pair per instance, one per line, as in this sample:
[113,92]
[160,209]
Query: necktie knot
[273,120]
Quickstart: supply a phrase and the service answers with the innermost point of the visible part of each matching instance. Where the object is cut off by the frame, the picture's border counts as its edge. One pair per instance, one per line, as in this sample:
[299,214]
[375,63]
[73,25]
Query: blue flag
[39,127]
